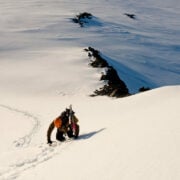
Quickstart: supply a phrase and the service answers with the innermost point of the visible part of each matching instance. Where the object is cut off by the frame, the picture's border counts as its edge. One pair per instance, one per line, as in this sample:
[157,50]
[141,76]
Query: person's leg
[59,136]
[70,132]
[76,133]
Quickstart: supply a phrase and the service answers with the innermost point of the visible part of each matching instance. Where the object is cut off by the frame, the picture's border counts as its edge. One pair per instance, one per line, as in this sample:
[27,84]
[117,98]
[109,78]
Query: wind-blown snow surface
[43,69]
[131,138]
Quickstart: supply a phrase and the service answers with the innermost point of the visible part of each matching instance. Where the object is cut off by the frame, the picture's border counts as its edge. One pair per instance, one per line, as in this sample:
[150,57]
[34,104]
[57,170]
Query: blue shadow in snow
[90,134]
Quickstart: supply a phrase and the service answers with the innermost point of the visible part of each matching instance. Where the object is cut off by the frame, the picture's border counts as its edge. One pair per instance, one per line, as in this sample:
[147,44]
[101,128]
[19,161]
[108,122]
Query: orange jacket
[55,123]
[58,122]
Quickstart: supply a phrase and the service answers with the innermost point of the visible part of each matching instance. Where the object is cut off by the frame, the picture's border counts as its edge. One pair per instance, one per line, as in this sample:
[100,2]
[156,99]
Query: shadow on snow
[90,134]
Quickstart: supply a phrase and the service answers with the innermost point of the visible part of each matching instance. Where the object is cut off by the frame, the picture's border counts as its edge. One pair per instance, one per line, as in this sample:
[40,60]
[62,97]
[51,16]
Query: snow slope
[131,138]
[43,69]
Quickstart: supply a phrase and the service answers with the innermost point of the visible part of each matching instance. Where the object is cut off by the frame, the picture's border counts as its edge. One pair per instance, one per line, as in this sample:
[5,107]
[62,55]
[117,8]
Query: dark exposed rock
[98,61]
[82,18]
[132,16]
[142,89]
[114,86]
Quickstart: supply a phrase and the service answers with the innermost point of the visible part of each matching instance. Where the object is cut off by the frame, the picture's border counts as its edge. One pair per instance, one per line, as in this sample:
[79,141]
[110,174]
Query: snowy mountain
[44,69]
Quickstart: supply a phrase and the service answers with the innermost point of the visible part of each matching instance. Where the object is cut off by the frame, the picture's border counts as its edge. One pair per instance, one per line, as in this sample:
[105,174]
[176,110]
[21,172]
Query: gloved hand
[49,141]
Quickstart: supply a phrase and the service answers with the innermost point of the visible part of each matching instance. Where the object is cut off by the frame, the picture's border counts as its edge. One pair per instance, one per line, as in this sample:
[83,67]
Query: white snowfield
[43,69]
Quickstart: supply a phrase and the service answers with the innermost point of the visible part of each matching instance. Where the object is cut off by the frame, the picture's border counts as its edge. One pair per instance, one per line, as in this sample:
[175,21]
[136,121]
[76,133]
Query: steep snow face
[57,72]
[43,69]
[145,51]
[149,44]
[130,138]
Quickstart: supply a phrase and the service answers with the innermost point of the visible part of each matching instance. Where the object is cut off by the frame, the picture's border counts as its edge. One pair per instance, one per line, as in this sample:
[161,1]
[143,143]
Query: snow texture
[43,69]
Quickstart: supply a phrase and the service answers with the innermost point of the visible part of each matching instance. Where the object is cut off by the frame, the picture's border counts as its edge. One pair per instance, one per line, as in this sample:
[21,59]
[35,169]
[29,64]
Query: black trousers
[60,134]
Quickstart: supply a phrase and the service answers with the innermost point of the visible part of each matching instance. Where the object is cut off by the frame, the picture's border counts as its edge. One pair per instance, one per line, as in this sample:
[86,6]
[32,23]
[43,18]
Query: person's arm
[49,132]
